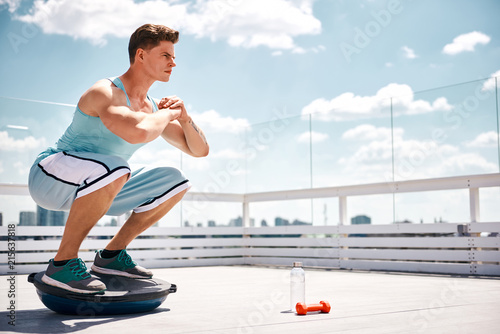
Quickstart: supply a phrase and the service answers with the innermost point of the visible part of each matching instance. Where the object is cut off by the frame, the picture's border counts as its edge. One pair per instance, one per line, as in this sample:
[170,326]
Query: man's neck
[136,84]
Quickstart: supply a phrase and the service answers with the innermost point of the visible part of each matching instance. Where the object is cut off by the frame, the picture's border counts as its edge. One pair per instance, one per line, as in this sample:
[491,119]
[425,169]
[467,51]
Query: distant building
[211,223]
[406,221]
[298,222]
[278,221]
[46,217]
[236,222]
[1,219]
[360,220]
[27,218]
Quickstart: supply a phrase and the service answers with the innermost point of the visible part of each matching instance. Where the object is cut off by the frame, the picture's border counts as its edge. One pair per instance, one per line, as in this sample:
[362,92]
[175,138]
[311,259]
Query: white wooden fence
[432,248]
[469,248]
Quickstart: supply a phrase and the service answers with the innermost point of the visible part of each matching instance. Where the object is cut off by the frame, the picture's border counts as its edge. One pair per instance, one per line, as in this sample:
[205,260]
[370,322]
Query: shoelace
[78,268]
[124,256]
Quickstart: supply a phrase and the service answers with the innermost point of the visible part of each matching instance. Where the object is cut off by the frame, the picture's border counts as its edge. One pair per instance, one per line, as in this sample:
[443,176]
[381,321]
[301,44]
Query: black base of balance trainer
[123,295]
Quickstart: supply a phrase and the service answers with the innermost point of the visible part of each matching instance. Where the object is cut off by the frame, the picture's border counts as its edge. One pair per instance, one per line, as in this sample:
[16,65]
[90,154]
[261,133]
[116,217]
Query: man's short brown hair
[148,36]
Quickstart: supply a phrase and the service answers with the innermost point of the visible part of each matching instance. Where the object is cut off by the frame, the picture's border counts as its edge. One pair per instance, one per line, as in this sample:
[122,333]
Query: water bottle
[297,285]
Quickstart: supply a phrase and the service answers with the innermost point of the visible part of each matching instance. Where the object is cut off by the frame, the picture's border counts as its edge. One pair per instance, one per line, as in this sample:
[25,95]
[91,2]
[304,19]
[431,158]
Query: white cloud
[10,144]
[315,137]
[95,20]
[466,42]
[213,121]
[348,106]
[466,163]
[318,49]
[269,23]
[409,53]
[379,148]
[490,83]
[389,64]
[414,159]
[152,156]
[299,50]
[12,5]
[485,139]
[21,168]
[375,152]
[370,132]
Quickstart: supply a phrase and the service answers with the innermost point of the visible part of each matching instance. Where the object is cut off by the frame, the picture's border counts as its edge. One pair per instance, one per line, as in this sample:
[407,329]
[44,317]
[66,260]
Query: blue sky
[246,62]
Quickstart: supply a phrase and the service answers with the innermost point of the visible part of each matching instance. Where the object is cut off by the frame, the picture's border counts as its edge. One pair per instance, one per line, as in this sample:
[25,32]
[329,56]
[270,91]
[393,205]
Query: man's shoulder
[103,89]
[100,95]
[103,86]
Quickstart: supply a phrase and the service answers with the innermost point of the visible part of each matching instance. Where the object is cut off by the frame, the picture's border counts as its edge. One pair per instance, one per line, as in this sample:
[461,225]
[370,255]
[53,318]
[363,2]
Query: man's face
[159,61]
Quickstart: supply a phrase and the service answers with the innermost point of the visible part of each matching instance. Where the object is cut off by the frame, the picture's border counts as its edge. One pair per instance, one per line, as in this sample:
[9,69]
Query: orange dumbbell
[323,307]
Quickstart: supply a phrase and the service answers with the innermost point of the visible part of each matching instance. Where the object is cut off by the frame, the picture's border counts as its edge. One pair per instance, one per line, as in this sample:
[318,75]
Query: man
[87,173]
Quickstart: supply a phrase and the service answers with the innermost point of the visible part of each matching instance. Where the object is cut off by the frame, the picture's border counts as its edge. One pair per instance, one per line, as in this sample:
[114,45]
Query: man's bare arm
[186,136]
[184,133]
[133,126]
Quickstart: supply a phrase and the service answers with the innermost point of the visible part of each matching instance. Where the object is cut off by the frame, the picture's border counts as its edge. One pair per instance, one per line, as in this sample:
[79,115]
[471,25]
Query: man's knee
[169,172]
[166,177]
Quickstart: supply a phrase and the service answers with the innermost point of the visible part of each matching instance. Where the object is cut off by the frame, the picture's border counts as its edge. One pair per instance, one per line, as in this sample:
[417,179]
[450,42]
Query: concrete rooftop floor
[251,299]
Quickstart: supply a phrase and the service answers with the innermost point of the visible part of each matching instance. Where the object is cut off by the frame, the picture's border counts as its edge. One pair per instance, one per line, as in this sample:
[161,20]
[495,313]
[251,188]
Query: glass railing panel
[440,133]
[223,170]
[352,151]
[278,155]
[446,132]
[281,213]
[436,133]
[325,211]
[444,206]
[202,213]
[23,211]
[26,129]
[488,204]
[157,153]
[352,138]
[370,209]
[18,209]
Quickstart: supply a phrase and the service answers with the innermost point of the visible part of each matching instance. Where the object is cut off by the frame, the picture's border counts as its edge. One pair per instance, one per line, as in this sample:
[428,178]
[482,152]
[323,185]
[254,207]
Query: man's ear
[139,54]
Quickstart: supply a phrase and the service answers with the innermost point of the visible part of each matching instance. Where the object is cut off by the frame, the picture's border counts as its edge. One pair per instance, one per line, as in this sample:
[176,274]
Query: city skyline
[44,217]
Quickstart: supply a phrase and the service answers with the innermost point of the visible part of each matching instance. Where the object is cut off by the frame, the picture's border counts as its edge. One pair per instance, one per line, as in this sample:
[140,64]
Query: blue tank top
[88,134]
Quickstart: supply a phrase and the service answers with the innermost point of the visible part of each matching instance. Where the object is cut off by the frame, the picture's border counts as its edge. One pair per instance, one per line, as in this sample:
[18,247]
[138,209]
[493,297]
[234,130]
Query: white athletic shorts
[57,180]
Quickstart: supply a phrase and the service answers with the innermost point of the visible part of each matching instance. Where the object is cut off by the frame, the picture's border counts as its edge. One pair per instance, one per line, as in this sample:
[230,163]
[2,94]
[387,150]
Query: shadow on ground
[46,321]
